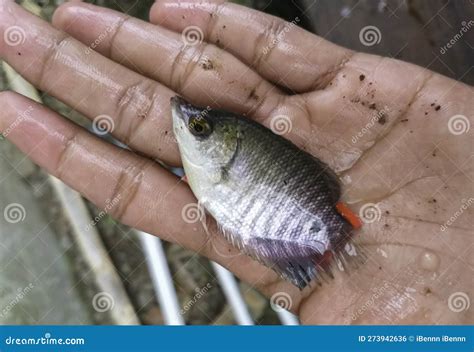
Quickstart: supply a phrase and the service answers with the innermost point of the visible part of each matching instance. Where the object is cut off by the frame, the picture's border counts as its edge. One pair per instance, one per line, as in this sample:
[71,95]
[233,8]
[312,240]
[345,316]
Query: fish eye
[198,126]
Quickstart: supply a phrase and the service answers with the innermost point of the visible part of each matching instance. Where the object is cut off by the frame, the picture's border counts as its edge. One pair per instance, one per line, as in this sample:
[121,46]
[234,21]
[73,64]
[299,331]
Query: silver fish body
[272,200]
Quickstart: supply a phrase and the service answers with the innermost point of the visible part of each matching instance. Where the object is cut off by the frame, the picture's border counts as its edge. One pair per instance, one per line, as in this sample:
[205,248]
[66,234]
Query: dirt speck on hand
[382,118]
[253,95]
[207,64]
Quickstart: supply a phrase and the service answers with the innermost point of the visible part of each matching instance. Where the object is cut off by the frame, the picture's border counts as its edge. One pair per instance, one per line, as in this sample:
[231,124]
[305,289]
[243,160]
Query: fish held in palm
[275,202]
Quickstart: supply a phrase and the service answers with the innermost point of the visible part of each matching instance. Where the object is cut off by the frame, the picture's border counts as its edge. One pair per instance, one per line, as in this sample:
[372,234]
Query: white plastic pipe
[161,278]
[95,254]
[287,318]
[233,295]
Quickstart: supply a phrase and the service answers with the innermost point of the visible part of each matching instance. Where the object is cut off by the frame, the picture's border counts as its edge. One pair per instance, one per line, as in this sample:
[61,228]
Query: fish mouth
[177,105]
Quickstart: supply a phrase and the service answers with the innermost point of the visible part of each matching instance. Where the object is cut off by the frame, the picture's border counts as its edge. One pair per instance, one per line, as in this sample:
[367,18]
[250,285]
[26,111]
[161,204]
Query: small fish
[275,202]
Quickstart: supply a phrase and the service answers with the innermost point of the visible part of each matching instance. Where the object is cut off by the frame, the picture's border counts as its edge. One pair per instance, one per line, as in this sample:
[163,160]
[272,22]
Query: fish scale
[272,200]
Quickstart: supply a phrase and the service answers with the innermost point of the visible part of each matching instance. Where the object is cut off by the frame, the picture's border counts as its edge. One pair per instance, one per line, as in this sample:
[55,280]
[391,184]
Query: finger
[133,189]
[200,71]
[95,168]
[280,51]
[135,108]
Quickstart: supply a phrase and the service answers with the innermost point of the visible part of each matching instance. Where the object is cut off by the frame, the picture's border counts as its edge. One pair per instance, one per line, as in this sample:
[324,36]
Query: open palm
[398,135]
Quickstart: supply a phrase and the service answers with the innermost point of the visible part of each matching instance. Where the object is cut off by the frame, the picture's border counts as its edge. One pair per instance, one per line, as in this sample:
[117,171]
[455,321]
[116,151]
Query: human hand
[385,126]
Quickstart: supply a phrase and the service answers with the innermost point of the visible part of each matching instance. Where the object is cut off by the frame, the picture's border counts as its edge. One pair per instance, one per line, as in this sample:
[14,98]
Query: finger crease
[214,15]
[139,98]
[65,154]
[128,183]
[51,56]
[188,63]
[279,102]
[255,99]
[323,79]
[267,41]
[118,26]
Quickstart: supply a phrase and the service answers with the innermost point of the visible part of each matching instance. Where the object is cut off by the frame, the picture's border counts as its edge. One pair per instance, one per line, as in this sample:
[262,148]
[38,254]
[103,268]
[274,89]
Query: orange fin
[347,214]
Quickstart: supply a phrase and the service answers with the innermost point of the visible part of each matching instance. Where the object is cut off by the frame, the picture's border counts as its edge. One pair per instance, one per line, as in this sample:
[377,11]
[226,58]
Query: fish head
[207,138]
